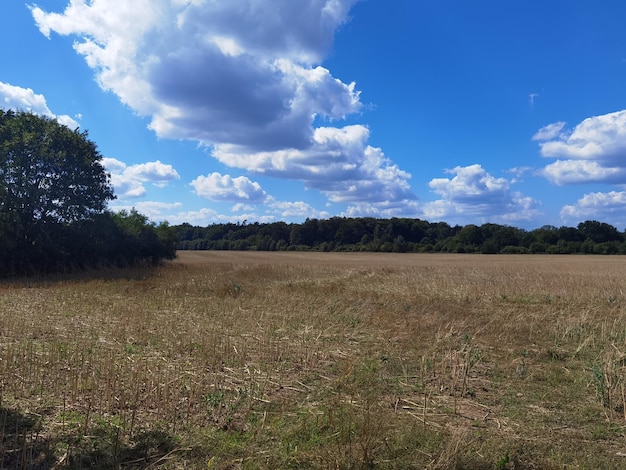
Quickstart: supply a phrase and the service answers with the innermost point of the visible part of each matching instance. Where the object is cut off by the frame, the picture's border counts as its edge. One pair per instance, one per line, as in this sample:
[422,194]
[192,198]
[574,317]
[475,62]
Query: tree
[599,232]
[53,197]
[50,177]
[470,235]
[49,172]
[138,239]
[546,235]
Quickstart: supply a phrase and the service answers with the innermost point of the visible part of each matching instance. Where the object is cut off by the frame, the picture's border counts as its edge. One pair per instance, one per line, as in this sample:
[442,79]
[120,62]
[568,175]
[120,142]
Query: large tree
[50,177]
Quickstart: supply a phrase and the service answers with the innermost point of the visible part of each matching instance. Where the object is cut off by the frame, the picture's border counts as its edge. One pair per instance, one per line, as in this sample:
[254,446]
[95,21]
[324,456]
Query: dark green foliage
[400,235]
[140,240]
[53,196]
[599,232]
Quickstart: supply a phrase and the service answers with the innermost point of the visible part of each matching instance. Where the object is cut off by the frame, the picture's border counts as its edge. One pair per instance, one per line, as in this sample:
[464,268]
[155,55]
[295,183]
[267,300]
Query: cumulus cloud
[609,206]
[296,209]
[128,181]
[598,138]
[472,193]
[384,209]
[284,210]
[157,173]
[339,163]
[216,72]
[25,99]
[564,172]
[226,188]
[593,151]
[470,184]
[244,78]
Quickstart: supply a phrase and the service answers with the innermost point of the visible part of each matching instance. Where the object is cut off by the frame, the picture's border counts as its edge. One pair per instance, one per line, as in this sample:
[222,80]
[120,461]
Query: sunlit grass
[249,360]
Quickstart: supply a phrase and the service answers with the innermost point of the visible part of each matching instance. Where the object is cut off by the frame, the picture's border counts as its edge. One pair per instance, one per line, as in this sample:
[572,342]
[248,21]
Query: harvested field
[318,360]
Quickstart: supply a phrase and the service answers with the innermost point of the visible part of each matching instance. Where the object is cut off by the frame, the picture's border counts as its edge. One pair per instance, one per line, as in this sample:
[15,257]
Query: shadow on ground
[24,445]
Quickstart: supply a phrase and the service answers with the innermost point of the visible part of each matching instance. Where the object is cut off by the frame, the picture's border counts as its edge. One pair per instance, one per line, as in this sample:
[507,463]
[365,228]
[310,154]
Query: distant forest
[401,235]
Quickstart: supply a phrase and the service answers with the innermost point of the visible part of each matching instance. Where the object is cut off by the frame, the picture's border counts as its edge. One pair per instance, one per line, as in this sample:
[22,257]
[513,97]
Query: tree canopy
[54,192]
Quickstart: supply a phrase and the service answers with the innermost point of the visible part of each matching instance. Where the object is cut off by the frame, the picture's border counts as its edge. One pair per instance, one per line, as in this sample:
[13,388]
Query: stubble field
[315,360]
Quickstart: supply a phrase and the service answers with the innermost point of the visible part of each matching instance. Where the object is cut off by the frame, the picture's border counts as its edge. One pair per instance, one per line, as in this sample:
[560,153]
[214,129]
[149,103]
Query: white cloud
[549,132]
[208,216]
[600,138]
[113,165]
[338,163]
[470,184]
[384,209]
[127,188]
[610,207]
[270,212]
[594,151]
[25,99]
[160,211]
[214,71]
[296,210]
[202,217]
[128,180]
[284,210]
[242,78]
[564,172]
[157,173]
[239,207]
[226,188]
[519,173]
[475,194]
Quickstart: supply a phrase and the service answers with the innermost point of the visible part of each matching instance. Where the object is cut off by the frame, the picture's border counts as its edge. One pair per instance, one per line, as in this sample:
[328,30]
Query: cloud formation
[243,78]
[598,206]
[563,172]
[592,152]
[226,188]
[340,164]
[298,209]
[25,99]
[128,181]
[474,194]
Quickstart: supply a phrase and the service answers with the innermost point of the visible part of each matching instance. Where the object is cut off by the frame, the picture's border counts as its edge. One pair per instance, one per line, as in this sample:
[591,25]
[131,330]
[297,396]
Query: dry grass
[292,360]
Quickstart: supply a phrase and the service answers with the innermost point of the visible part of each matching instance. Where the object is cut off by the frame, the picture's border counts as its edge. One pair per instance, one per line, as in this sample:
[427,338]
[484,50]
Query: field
[225,360]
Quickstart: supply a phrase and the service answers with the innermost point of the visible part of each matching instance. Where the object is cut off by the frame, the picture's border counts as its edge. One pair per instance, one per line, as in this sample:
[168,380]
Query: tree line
[53,217]
[53,204]
[401,235]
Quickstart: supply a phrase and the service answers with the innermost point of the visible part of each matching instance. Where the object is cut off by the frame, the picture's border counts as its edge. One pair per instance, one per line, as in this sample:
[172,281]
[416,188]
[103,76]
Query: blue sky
[266,110]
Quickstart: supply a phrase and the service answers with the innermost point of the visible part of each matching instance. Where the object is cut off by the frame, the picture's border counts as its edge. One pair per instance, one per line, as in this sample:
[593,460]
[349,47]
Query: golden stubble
[320,360]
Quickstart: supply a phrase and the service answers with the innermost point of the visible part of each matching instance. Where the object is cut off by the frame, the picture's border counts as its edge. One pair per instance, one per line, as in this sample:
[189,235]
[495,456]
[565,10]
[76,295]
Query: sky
[213,111]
